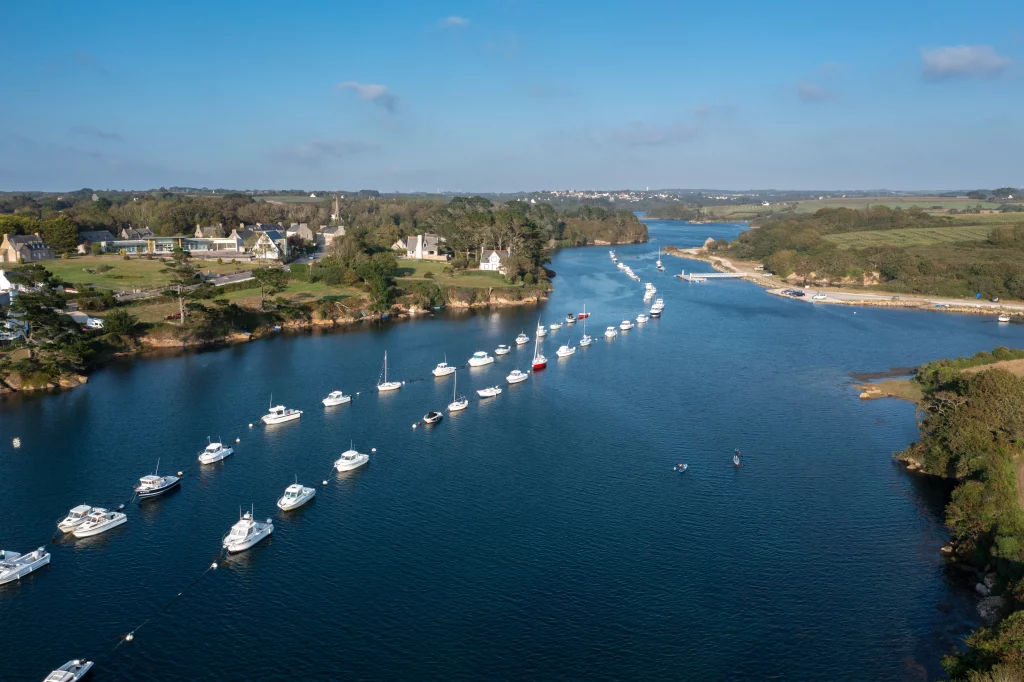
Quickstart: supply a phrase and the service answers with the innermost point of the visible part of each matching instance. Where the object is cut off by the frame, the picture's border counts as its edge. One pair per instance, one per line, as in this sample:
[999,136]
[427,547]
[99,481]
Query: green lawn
[412,271]
[918,236]
[862,203]
[124,274]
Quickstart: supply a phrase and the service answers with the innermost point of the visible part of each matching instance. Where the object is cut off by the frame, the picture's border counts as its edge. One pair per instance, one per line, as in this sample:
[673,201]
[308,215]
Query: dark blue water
[541,534]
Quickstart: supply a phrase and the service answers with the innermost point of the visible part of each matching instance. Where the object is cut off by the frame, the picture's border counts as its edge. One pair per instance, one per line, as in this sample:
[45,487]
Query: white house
[271,245]
[421,247]
[493,260]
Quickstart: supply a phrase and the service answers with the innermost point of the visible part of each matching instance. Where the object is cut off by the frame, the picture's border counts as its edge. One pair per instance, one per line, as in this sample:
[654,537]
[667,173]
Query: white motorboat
[279,414]
[432,417]
[350,459]
[611,252]
[99,521]
[14,566]
[295,496]
[443,369]
[611,331]
[1003,317]
[457,404]
[336,398]
[556,326]
[382,382]
[620,266]
[155,484]
[641,318]
[75,518]
[655,312]
[214,452]
[503,350]
[648,296]
[659,303]
[246,532]
[541,331]
[72,671]
[522,339]
[489,392]
[626,325]
[517,377]
[565,350]
[570,319]
[480,358]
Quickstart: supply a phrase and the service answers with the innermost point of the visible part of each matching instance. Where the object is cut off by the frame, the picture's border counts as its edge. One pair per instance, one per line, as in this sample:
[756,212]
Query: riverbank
[846,296]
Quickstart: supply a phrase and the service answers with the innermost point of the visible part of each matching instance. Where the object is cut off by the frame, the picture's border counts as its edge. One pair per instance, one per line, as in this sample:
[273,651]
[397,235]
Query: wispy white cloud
[809,92]
[377,94]
[963,61]
[640,134]
[316,152]
[453,22]
[94,132]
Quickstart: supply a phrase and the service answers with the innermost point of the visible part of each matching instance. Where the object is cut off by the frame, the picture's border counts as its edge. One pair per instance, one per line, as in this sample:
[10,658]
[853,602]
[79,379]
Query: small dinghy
[432,417]
[14,566]
[680,467]
[70,671]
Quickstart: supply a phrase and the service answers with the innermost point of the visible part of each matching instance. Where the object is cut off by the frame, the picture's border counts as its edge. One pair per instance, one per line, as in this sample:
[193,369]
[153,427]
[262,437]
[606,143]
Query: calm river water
[538,535]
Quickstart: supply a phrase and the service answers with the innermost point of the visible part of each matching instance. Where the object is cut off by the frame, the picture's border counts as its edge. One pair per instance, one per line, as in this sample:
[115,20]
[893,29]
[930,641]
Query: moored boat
[565,350]
[246,533]
[70,672]
[457,404]
[611,332]
[75,518]
[432,417]
[480,358]
[489,392]
[502,349]
[350,459]
[279,414]
[99,521]
[443,369]
[336,398]
[626,325]
[516,377]
[570,319]
[383,385]
[15,566]
[155,484]
[522,339]
[214,452]
[295,495]
[1003,317]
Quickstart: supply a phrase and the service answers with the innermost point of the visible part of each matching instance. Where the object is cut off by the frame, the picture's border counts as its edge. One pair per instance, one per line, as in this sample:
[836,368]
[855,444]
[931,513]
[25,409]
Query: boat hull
[443,371]
[210,459]
[349,466]
[390,386]
[146,493]
[252,541]
[332,402]
[513,379]
[458,405]
[98,530]
[270,421]
[481,363]
[23,565]
[289,505]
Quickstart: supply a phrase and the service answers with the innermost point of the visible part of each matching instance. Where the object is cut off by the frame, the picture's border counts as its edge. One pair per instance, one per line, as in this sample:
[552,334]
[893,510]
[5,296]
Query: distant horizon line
[180,189]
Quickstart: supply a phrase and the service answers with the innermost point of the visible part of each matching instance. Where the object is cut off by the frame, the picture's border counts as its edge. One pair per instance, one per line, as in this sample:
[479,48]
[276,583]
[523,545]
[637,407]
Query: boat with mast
[657,263]
[382,382]
[584,340]
[539,361]
[457,404]
[155,484]
[443,369]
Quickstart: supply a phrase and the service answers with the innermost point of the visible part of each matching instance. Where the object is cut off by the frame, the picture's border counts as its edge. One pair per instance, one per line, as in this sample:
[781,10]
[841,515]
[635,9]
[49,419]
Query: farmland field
[923,202]
[918,236]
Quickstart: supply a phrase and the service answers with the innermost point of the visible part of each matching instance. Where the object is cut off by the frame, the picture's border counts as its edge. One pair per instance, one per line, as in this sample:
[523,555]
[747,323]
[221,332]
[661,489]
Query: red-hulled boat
[539,361]
[584,315]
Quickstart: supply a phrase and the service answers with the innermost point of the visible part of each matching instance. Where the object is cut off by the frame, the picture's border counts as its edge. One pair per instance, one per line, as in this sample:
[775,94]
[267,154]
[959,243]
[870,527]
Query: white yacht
[350,459]
[516,377]
[246,533]
[620,266]
[382,383]
[460,403]
[565,350]
[443,369]
[541,330]
[295,496]
[75,518]
[659,303]
[1003,317]
[155,484]
[13,566]
[626,325]
[611,331]
[522,339]
[72,671]
[503,350]
[336,398]
[489,392]
[214,452]
[279,414]
[641,318]
[99,521]
[480,358]
[556,326]
[655,311]
[658,264]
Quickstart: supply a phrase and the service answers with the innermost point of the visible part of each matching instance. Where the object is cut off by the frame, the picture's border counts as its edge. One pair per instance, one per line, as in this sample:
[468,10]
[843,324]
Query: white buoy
[414,426]
[325,482]
[129,637]
[357,392]
[213,566]
[250,425]
[16,442]
[238,440]
[179,474]
[373,449]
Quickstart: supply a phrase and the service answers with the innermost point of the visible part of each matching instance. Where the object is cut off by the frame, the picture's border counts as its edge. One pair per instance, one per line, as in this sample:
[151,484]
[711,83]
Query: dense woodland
[973,432]
[797,243]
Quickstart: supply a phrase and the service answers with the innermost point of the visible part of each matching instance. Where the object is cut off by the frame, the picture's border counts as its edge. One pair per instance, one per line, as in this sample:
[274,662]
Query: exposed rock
[710,241]
[982,590]
[989,581]
[947,548]
[72,380]
[865,396]
[991,609]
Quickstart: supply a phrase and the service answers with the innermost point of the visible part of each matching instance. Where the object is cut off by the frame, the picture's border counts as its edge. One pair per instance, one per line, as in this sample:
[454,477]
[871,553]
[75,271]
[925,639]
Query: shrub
[530,279]
[103,268]
[96,249]
[429,275]
[120,322]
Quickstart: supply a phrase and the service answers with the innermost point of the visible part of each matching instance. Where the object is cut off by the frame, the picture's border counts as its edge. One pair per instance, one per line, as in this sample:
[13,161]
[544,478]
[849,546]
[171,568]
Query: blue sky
[507,95]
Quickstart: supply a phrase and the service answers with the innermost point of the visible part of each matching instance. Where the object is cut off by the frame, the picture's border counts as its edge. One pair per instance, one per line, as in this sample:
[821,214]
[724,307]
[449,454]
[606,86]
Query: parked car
[994,299]
[94,323]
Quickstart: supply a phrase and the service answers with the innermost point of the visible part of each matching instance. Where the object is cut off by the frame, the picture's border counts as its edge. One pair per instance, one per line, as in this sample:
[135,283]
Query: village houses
[24,248]
[421,247]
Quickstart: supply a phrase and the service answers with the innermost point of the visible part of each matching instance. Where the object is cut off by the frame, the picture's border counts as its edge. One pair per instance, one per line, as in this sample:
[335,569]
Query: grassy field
[920,236]
[411,271]
[990,219]
[136,273]
[924,202]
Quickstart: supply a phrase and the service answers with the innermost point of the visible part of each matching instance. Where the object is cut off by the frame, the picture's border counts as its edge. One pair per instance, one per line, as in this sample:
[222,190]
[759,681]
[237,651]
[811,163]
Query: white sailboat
[539,361]
[585,340]
[385,385]
[457,404]
[657,263]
